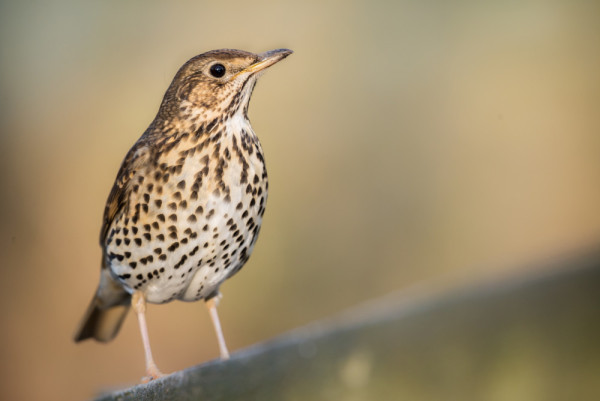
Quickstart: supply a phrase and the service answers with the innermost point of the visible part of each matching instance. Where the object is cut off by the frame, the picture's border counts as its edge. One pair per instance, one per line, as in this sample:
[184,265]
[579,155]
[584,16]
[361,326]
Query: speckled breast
[193,216]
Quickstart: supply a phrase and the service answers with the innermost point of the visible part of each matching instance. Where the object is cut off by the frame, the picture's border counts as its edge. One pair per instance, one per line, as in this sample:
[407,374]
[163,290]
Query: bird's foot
[152,373]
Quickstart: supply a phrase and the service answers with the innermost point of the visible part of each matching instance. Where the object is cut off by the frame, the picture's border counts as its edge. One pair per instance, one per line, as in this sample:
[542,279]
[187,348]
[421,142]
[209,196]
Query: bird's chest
[193,216]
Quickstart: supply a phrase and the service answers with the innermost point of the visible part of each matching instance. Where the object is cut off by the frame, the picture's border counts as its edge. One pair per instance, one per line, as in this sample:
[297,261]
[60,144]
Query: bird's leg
[212,304]
[139,306]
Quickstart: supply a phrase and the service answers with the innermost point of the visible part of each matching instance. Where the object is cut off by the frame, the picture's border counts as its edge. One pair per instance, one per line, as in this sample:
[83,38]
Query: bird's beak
[267,59]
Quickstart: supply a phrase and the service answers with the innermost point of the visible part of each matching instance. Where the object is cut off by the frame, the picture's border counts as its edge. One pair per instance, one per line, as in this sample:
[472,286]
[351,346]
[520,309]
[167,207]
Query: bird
[187,204]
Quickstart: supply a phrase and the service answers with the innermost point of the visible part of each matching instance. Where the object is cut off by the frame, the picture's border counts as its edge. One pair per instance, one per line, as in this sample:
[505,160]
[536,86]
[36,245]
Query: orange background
[407,142]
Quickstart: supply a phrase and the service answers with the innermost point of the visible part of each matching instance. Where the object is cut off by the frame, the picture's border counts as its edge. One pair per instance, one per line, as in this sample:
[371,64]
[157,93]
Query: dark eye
[217,70]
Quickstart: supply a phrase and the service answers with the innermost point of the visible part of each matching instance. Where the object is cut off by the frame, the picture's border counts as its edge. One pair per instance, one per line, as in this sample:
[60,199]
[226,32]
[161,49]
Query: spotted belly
[180,240]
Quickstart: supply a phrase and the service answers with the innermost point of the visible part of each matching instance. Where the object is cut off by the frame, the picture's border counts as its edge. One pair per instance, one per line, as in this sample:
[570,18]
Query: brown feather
[106,312]
[135,160]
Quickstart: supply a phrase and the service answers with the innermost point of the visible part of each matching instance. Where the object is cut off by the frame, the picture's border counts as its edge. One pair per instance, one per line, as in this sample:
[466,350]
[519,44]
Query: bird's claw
[152,374]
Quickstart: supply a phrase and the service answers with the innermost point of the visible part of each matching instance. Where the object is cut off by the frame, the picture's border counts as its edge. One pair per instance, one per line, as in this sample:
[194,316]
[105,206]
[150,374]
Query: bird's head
[218,82]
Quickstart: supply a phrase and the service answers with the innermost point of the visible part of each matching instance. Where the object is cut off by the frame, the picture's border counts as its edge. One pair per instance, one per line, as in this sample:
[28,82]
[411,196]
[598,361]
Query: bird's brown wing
[111,302]
[134,161]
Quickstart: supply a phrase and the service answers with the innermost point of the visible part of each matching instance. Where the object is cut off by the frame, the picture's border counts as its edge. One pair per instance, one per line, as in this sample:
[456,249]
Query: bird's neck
[202,127]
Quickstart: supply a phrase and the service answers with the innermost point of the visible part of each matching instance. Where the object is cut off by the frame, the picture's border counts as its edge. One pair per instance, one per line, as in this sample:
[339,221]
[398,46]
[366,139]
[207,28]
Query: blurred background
[407,143]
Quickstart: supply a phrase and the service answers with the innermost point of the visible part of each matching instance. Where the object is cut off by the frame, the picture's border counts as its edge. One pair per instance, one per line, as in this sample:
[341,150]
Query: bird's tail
[106,312]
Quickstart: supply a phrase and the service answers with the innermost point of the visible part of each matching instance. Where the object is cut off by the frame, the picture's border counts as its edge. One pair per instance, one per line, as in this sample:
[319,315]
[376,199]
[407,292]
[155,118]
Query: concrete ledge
[531,338]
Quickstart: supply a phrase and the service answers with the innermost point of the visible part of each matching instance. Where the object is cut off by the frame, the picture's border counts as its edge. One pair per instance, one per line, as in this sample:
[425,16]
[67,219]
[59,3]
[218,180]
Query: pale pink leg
[139,306]
[212,304]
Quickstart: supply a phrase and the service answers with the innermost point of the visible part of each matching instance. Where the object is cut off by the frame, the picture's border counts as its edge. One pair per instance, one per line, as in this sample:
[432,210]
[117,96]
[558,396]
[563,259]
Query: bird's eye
[217,70]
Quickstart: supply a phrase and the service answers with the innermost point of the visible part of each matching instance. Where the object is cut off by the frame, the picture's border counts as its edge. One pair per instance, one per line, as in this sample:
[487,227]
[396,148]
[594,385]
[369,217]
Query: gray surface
[534,338]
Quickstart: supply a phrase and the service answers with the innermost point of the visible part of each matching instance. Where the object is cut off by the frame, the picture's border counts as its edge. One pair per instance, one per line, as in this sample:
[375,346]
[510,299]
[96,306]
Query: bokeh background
[407,142]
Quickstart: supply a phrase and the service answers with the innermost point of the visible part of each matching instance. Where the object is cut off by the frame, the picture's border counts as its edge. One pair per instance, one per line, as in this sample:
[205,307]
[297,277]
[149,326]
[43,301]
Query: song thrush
[187,204]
